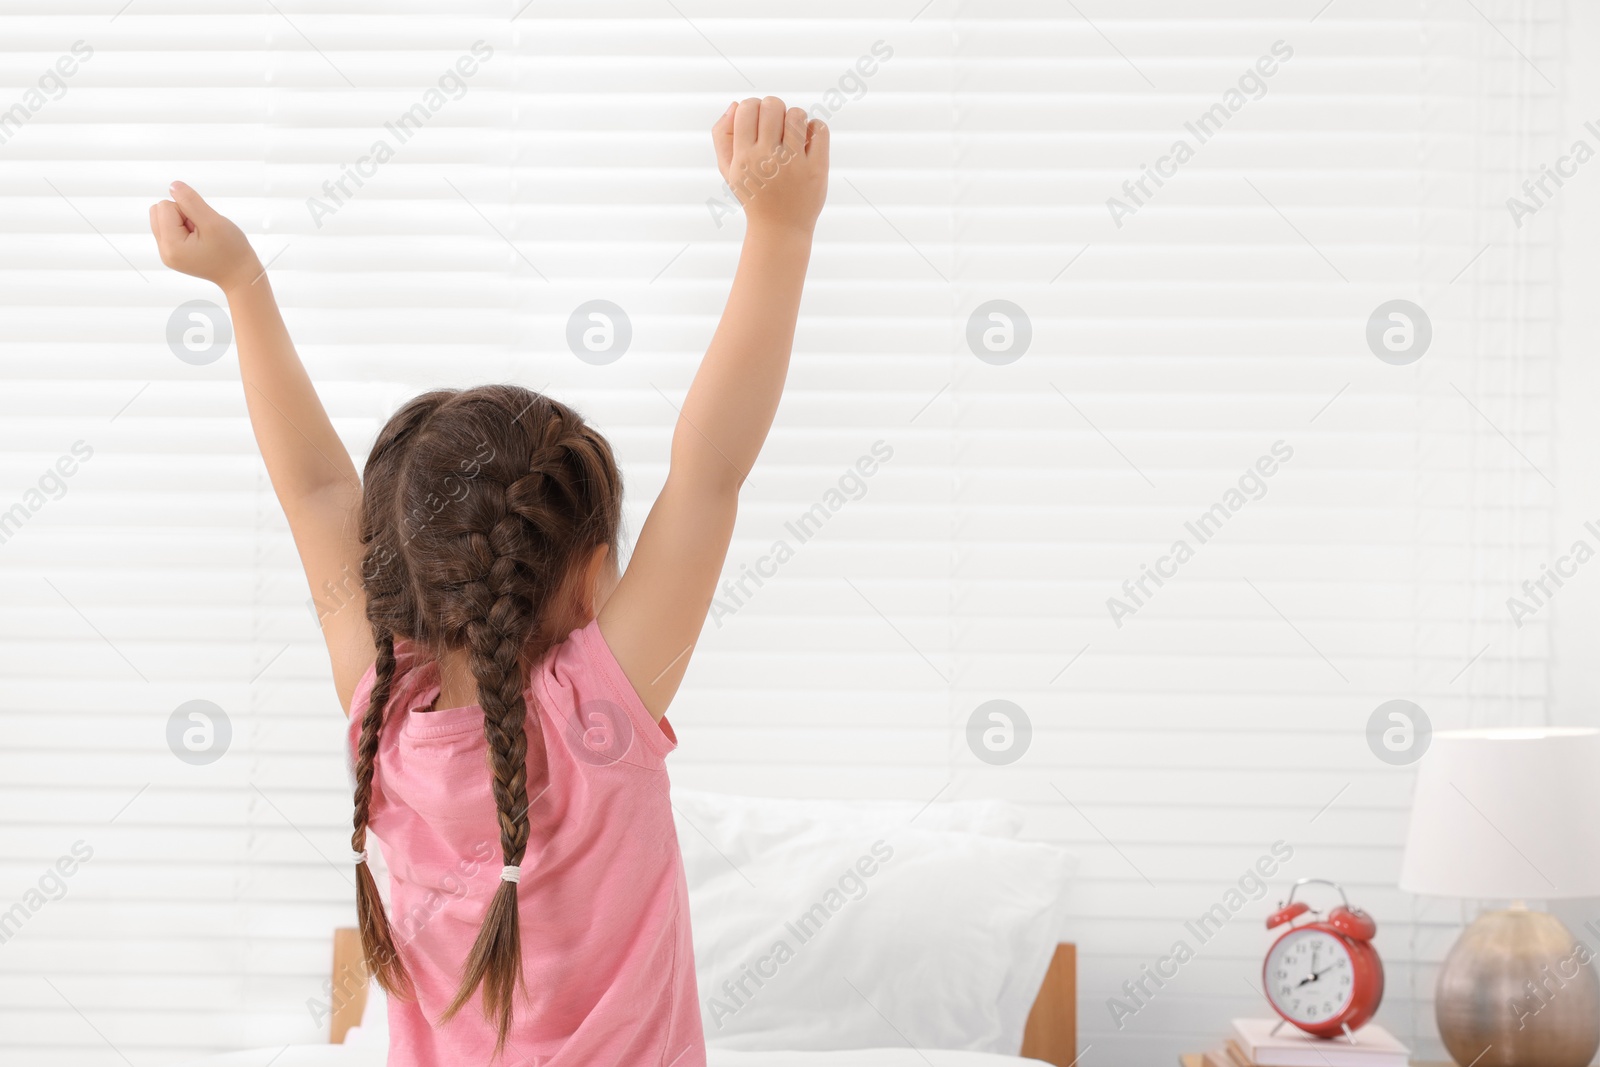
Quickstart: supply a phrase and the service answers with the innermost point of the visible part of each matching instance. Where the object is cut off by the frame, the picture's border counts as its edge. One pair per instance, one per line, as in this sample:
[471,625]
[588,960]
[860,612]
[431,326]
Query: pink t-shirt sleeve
[584,674]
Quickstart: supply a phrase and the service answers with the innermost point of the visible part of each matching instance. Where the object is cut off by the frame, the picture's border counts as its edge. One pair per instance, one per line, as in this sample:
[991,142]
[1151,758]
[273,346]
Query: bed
[1050,1037]
[939,917]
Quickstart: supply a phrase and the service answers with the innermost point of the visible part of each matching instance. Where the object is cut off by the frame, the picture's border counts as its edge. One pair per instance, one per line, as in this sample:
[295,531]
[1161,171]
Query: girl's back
[604,918]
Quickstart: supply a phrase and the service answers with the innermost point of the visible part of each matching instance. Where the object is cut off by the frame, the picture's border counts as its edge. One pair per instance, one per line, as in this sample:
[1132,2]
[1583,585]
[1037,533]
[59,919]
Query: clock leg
[1275,1029]
[1348,1035]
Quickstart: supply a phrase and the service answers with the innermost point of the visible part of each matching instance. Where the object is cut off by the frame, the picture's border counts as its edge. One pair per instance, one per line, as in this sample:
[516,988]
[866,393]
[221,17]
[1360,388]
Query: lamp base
[1518,990]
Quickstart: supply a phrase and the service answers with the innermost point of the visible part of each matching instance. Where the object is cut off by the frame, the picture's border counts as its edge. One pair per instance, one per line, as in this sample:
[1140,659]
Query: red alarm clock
[1323,976]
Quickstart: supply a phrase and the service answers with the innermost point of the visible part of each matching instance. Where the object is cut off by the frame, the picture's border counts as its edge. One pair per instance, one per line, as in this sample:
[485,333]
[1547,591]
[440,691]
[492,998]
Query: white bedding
[827,926]
[899,935]
[348,1056]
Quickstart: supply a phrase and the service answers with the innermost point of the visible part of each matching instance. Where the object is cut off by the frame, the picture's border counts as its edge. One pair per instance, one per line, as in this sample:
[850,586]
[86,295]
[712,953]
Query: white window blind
[1006,504]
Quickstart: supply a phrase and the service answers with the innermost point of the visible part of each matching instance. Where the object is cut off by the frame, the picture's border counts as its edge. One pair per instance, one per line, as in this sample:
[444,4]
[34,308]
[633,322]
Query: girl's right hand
[194,239]
[775,161]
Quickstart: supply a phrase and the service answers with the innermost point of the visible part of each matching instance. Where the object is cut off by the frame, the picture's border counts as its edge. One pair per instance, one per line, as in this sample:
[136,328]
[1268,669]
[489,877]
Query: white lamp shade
[1506,815]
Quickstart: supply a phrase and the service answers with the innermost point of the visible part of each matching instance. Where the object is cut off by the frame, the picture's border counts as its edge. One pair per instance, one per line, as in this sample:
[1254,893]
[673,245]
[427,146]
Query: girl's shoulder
[409,664]
[582,680]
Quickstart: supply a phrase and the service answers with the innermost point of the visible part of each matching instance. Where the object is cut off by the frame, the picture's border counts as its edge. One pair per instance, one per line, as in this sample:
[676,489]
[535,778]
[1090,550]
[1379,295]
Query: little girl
[506,687]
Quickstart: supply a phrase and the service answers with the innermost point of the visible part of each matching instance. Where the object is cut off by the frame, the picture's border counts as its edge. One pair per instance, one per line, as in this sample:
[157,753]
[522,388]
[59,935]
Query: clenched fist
[775,161]
[195,239]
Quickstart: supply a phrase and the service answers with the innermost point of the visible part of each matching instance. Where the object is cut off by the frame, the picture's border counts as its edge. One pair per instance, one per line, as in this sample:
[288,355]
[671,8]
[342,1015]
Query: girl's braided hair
[478,508]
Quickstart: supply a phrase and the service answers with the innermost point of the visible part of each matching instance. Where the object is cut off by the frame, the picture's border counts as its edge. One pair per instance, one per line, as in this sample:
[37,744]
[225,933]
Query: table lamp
[1511,815]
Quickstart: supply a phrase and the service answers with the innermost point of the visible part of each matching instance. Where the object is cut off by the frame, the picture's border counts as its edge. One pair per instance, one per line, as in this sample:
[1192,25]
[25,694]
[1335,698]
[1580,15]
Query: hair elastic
[511,874]
[358,857]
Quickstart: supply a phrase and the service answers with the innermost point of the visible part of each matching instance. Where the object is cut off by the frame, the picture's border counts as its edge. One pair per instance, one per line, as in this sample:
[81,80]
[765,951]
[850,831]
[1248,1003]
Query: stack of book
[1254,1044]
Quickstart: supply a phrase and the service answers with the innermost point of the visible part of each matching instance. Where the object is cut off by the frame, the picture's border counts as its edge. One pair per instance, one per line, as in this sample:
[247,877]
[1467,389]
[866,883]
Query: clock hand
[1315,975]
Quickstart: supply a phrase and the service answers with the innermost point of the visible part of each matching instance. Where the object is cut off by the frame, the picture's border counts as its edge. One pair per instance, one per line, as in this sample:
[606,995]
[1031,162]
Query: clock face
[1310,976]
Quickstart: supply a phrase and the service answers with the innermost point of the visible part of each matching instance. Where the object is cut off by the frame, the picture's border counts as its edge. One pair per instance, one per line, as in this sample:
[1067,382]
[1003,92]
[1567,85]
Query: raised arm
[311,472]
[777,163]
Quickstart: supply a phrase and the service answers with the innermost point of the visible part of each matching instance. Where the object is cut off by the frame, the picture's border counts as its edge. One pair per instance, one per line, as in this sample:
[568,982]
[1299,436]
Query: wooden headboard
[1052,1031]
[349,983]
[1051,1034]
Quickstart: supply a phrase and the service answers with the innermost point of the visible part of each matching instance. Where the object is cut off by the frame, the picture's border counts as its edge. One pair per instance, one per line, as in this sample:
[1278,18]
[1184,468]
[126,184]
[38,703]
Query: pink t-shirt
[606,951]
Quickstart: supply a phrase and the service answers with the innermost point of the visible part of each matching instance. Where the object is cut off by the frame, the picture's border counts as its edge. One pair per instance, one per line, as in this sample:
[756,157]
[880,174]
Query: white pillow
[762,821]
[813,936]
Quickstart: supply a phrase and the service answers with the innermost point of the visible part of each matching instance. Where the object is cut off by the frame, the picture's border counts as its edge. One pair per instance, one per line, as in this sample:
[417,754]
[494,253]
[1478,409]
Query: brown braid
[383,580]
[383,961]
[478,509]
